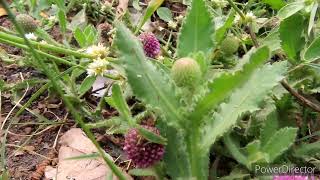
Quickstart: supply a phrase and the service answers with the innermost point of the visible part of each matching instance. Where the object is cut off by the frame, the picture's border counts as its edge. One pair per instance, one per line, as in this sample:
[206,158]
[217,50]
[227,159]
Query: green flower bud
[28,24]
[229,45]
[186,72]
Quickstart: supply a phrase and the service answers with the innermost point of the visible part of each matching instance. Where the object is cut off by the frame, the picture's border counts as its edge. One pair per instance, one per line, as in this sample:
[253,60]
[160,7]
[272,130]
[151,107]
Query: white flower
[172,24]
[98,51]
[220,3]
[98,67]
[31,36]
[43,42]
[179,18]
[248,18]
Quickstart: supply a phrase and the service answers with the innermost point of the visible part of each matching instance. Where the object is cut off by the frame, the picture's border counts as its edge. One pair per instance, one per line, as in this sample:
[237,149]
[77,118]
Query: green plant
[192,128]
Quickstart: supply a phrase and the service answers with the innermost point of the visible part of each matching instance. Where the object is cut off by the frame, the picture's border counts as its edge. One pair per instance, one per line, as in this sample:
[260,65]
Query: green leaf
[165,14]
[275,4]
[290,9]
[279,143]
[80,37]
[219,90]
[121,104]
[197,30]
[62,21]
[152,7]
[291,30]
[234,149]
[243,100]
[86,84]
[220,32]
[85,156]
[79,20]
[270,126]
[176,157]
[313,51]
[148,83]
[312,17]
[151,136]
[272,40]
[305,150]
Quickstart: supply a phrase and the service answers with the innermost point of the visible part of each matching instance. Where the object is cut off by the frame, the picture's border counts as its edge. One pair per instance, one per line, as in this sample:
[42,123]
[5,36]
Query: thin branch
[302,100]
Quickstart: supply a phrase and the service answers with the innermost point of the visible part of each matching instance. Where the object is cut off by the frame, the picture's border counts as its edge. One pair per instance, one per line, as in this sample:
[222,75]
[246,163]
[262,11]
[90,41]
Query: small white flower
[179,18]
[98,51]
[172,24]
[43,42]
[249,18]
[98,67]
[160,58]
[31,36]
[220,3]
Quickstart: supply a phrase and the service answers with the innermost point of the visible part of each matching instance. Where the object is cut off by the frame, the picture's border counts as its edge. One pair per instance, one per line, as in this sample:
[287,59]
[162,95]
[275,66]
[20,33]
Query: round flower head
[27,23]
[151,45]
[98,51]
[186,72]
[97,67]
[229,45]
[142,152]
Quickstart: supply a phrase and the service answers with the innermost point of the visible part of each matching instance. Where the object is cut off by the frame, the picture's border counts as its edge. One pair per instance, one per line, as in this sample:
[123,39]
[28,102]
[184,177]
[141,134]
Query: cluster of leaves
[238,105]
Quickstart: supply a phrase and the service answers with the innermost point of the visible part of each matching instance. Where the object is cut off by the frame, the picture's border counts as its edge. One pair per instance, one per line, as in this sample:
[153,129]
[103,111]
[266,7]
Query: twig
[300,98]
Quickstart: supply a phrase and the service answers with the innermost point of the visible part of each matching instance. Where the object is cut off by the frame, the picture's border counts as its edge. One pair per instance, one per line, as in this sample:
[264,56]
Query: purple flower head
[142,152]
[292,177]
[151,45]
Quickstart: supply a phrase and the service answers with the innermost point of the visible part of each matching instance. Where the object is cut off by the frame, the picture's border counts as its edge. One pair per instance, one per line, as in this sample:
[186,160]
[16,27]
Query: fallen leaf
[3,12]
[75,143]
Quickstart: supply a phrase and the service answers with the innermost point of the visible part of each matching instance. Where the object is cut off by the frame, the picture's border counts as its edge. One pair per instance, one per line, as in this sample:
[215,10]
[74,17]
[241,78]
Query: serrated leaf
[176,156]
[148,83]
[197,30]
[219,90]
[291,30]
[151,136]
[165,14]
[86,84]
[269,128]
[272,40]
[290,9]
[279,143]
[313,51]
[246,99]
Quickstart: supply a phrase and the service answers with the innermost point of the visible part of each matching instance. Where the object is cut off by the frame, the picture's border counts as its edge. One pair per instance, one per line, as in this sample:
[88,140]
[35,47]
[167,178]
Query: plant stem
[47,47]
[59,90]
[243,17]
[57,59]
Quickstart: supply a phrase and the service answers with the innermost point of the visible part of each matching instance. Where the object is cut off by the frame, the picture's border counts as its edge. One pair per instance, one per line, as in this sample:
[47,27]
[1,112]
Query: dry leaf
[75,143]
[3,12]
